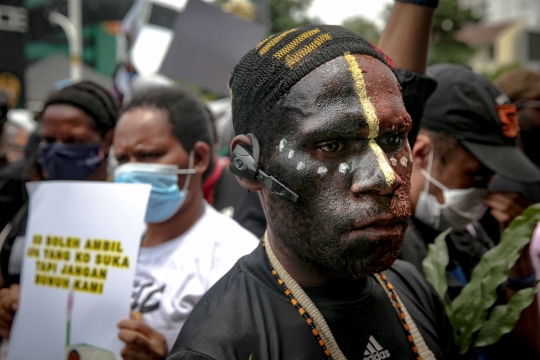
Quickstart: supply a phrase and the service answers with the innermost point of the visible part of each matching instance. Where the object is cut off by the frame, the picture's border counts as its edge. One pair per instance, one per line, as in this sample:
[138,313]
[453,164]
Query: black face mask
[70,162]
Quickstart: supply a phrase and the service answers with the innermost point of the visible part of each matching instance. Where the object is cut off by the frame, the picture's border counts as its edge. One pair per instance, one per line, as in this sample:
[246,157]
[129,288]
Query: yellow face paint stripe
[290,46]
[361,91]
[291,60]
[371,117]
[385,167]
[274,41]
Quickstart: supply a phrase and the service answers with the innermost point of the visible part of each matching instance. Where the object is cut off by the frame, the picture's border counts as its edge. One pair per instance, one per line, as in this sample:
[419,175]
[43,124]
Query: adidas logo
[374,350]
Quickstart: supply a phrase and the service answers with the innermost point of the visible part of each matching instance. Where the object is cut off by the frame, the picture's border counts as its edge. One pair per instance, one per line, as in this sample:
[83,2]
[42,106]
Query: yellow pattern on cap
[291,60]
[274,41]
[290,46]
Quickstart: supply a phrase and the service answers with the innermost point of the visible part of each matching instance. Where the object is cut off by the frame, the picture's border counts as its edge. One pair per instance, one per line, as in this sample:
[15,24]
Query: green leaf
[503,318]
[468,312]
[435,264]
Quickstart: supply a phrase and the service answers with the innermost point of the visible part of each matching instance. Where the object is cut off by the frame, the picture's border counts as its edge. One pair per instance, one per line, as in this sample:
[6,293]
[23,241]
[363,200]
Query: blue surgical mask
[70,161]
[165,197]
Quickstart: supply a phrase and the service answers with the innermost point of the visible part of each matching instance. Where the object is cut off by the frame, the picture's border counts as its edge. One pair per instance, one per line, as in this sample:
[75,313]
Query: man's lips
[383,226]
[386,222]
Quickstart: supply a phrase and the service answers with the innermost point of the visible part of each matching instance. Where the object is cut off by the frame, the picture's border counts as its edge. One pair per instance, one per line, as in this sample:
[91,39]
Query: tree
[364,27]
[288,14]
[449,19]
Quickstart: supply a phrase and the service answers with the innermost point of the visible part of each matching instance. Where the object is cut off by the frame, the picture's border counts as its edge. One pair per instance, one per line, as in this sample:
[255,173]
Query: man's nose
[372,173]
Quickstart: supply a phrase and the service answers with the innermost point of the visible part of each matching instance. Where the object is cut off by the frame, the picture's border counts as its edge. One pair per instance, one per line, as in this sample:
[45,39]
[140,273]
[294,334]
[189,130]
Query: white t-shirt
[172,277]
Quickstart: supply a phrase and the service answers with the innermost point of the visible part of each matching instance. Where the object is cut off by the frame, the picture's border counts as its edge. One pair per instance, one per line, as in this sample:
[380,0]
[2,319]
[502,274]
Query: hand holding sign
[80,256]
[142,342]
[9,302]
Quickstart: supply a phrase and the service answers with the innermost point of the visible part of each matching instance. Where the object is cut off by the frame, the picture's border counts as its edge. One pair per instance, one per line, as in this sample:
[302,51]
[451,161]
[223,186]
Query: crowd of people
[307,243]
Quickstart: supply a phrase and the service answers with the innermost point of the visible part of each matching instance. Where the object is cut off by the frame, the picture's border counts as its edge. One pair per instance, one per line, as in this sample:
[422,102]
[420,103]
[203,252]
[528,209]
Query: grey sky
[335,11]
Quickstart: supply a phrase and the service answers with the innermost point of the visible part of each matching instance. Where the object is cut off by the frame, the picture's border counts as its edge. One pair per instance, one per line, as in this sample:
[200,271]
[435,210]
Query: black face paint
[347,220]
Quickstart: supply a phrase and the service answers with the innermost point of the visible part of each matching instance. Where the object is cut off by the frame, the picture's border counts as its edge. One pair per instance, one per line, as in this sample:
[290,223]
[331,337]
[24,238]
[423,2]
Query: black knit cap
[90,98]
[269,70]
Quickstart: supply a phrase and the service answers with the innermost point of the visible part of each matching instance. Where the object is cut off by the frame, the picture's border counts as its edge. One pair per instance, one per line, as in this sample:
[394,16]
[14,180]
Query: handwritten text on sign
[68,262]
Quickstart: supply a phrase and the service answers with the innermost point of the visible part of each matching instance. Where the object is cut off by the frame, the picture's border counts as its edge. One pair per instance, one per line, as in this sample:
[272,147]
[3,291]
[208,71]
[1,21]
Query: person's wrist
[426,3]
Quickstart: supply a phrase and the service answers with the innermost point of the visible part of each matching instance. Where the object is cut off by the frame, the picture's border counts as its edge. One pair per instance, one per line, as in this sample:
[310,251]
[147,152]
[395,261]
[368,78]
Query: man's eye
[149,156]
[332,147]
[392,140]
[122,159]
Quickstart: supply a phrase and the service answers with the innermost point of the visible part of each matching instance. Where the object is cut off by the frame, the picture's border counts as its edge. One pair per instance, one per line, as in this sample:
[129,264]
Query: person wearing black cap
[467,135]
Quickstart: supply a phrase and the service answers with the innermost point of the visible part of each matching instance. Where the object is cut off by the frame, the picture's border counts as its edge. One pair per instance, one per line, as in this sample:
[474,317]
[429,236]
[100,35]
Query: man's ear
[201,156]
[248,184]
[420,151]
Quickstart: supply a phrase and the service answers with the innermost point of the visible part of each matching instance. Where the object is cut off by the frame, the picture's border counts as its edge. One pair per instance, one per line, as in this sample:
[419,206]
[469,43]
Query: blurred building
[508,35]
[32,40]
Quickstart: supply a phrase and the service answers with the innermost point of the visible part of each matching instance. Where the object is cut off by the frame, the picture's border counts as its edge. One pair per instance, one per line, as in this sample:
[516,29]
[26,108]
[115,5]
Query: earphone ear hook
[245,164]
[255,147]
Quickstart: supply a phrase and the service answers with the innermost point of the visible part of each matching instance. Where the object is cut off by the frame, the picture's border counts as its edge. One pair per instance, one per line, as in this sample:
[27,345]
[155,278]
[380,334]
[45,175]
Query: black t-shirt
[246,315]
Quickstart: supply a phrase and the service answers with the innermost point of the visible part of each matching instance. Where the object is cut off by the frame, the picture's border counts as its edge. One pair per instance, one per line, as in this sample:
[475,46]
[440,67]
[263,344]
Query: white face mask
[461,206]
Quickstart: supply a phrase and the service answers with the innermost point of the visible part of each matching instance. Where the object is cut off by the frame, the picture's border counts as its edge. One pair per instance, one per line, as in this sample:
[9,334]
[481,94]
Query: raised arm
[406,36]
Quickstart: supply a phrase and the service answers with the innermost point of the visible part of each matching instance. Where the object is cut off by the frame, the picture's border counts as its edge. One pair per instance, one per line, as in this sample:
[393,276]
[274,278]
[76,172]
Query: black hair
[268,71]
[90,98]
[190,120]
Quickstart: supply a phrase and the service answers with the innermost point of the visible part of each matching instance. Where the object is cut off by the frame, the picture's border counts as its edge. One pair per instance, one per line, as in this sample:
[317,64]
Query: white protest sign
[82,243]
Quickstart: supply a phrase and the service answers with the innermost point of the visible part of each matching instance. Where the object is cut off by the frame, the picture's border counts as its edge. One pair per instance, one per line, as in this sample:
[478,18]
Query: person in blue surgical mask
[164,138]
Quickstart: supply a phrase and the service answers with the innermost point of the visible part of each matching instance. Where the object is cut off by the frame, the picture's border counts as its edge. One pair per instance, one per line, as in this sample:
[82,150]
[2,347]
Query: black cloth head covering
[90,98]
[269,70]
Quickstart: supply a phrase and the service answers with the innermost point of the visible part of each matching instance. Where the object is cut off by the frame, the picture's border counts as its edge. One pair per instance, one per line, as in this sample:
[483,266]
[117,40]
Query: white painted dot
[322,170]
[403,161]
[300,166]
[343,168]
[291,154]
[393,161]
[282,144]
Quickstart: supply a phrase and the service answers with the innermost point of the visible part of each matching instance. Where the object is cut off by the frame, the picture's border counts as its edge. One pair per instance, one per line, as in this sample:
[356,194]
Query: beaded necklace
[316,322]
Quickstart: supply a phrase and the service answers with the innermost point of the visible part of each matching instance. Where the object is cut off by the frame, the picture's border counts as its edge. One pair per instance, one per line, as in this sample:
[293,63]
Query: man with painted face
[468,135]
[319,113]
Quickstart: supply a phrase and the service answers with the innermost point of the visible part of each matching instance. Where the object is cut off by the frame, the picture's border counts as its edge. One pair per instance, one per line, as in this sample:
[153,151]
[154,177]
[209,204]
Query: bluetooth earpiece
[246,165]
